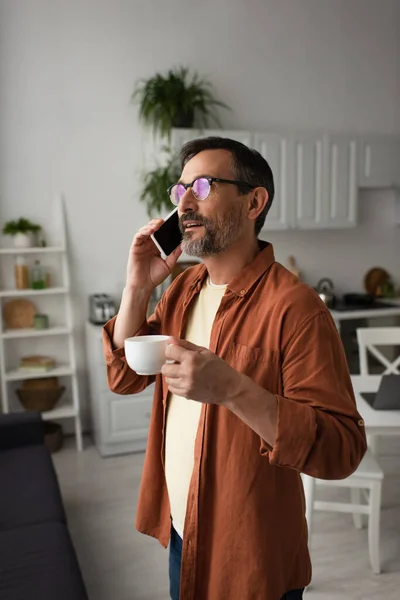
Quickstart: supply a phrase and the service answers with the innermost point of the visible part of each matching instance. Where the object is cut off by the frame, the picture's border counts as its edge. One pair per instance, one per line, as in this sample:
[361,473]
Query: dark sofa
[37,558]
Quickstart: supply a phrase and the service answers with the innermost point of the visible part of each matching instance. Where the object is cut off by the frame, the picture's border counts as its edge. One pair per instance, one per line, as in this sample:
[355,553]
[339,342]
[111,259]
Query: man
[258,391]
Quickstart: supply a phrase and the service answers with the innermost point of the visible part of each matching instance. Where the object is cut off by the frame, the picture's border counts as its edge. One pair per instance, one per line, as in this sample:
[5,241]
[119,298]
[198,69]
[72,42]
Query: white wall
[67,70]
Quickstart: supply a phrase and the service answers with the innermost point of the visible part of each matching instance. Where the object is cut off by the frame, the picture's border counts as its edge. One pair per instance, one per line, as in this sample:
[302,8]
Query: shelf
[17,375]
[36,250]
[30,292]
[11,334]
[64,412]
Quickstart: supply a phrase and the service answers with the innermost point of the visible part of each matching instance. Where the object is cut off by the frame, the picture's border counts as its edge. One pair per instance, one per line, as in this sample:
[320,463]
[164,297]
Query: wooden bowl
[40,399]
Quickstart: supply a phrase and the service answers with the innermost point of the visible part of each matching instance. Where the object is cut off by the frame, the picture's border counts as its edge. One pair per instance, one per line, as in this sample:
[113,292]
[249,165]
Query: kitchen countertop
[368,313]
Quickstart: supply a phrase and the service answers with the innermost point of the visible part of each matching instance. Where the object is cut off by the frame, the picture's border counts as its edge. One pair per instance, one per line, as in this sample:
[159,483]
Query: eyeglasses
[201,188]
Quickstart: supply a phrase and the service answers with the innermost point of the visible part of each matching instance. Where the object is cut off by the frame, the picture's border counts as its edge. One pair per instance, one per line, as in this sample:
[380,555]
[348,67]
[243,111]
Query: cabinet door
[274,148]
[309,174]
[379,162]
[340,206]
[128,417]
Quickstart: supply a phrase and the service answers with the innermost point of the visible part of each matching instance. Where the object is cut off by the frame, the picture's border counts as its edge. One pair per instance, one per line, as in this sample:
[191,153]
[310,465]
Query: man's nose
[188,202]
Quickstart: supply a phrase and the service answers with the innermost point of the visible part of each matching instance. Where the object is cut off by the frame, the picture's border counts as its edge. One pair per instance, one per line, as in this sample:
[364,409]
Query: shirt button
[189,542]
[361,423]
[242,292]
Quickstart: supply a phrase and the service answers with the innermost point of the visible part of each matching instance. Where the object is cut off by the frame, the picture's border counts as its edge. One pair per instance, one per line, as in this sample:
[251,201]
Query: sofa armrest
[21,429]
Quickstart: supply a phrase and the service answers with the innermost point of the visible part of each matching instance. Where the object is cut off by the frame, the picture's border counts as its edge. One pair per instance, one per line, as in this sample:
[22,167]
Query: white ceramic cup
[145,354]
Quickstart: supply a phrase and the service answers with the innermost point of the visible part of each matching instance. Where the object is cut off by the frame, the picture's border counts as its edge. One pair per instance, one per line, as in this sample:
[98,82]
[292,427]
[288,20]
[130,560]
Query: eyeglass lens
[200,190]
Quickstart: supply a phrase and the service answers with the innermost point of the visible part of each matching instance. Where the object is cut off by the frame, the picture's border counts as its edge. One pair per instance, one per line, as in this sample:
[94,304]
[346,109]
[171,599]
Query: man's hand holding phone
[146,268]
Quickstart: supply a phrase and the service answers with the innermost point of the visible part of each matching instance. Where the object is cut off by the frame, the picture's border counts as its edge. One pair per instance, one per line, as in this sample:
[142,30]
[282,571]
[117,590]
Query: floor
[118,563]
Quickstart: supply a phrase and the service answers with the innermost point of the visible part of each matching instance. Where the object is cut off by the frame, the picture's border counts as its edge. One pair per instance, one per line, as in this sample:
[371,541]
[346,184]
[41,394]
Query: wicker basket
[53,436]
[40,399]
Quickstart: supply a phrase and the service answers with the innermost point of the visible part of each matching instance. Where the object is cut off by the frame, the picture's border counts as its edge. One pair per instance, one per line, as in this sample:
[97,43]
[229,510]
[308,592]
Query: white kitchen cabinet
[341,192]
[274,148]
[120,423]
[379,165]
[309,175]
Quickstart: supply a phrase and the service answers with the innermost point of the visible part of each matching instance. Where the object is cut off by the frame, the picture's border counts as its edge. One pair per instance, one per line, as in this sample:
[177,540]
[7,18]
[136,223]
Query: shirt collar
[241,284]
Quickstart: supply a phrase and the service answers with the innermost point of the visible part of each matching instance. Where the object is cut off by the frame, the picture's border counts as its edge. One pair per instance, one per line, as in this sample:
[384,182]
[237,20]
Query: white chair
[368,339]
[365,484]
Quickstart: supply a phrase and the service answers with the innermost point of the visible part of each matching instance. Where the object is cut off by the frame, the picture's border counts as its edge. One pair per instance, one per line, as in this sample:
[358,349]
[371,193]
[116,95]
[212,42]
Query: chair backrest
[370,337]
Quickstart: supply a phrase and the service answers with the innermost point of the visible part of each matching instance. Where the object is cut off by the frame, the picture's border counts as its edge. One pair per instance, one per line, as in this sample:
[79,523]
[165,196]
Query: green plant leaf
[21,225]
[177,97]
[155,184]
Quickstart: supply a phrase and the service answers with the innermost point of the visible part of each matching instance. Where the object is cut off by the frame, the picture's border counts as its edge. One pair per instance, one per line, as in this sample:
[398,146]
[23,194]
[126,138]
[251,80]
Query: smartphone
[169,236]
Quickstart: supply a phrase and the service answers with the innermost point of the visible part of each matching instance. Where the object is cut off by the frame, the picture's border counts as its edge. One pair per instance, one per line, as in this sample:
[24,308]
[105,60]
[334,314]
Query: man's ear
[257,203]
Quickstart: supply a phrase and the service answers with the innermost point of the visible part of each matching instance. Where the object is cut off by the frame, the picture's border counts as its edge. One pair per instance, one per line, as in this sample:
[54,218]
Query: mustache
[191,216]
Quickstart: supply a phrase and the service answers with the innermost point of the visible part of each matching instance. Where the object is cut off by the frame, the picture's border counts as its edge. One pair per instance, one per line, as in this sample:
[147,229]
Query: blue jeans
[175,557]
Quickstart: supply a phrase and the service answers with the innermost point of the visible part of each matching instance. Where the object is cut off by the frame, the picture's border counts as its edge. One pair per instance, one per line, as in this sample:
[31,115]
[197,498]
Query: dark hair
[248,165]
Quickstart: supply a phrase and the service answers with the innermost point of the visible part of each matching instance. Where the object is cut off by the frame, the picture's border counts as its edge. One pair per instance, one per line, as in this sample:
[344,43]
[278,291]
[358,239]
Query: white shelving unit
[10,374]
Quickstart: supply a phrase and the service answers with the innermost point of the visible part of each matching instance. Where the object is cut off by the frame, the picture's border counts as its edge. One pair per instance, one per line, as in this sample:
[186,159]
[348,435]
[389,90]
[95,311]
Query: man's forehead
[215,163]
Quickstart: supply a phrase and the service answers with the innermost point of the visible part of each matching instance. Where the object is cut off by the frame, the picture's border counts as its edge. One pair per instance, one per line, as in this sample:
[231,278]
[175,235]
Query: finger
[184,344]
[171,260]
[150,228]
[176,389]
[176,353]
[172,370]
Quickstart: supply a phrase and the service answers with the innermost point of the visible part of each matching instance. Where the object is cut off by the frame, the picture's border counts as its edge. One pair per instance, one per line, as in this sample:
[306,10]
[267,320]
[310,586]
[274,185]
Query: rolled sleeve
[318,427]
[120,377]
[292,445]
[116,356]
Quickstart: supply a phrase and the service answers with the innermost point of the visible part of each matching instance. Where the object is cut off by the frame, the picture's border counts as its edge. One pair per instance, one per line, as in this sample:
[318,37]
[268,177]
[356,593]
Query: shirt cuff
[116,356]
[293,443]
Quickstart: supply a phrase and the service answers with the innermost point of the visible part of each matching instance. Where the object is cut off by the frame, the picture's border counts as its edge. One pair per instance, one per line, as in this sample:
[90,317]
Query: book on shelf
[36,364]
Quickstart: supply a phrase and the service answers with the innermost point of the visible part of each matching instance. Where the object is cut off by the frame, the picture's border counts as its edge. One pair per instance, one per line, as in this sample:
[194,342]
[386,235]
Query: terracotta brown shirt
[245,528]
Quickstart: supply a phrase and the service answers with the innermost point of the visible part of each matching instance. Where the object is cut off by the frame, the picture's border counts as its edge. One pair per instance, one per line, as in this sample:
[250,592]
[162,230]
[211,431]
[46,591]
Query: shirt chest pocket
[261,365]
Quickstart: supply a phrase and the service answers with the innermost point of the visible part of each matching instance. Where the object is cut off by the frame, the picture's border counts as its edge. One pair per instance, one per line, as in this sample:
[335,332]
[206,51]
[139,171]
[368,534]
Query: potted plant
[155,184]
[23,231]
[177,99]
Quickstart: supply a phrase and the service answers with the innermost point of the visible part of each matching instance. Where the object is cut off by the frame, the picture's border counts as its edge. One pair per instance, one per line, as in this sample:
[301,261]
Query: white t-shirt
[183,414]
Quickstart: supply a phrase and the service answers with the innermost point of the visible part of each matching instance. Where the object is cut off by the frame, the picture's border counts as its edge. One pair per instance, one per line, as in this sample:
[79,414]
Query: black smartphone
[169,236]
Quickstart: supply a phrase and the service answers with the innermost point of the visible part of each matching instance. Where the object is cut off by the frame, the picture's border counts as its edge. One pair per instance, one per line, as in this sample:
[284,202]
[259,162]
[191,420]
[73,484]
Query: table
[377,422]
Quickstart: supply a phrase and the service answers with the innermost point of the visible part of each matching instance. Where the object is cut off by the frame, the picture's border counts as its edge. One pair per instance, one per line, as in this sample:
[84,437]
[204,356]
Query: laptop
[388,395]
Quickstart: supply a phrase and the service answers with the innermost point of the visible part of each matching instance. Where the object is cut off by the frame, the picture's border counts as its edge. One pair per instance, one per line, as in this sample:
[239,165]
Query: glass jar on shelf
[38,276]
[21,274]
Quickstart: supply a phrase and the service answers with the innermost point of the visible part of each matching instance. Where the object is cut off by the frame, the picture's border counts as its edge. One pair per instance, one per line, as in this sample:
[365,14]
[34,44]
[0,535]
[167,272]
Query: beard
[219,233]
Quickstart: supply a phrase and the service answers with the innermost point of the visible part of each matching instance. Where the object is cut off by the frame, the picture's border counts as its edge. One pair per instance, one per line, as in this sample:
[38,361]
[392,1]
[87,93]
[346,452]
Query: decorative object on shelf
[40,394]
[36,364]
[377,282]
[177,99]
[292,266]
[23,231]
[53,436]
[38,276]
[21,273]
[155,184]
[19,313]
[40,321]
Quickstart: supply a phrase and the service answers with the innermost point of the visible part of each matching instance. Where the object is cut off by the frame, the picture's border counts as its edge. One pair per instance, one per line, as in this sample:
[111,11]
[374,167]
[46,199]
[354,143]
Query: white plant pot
[24,240]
